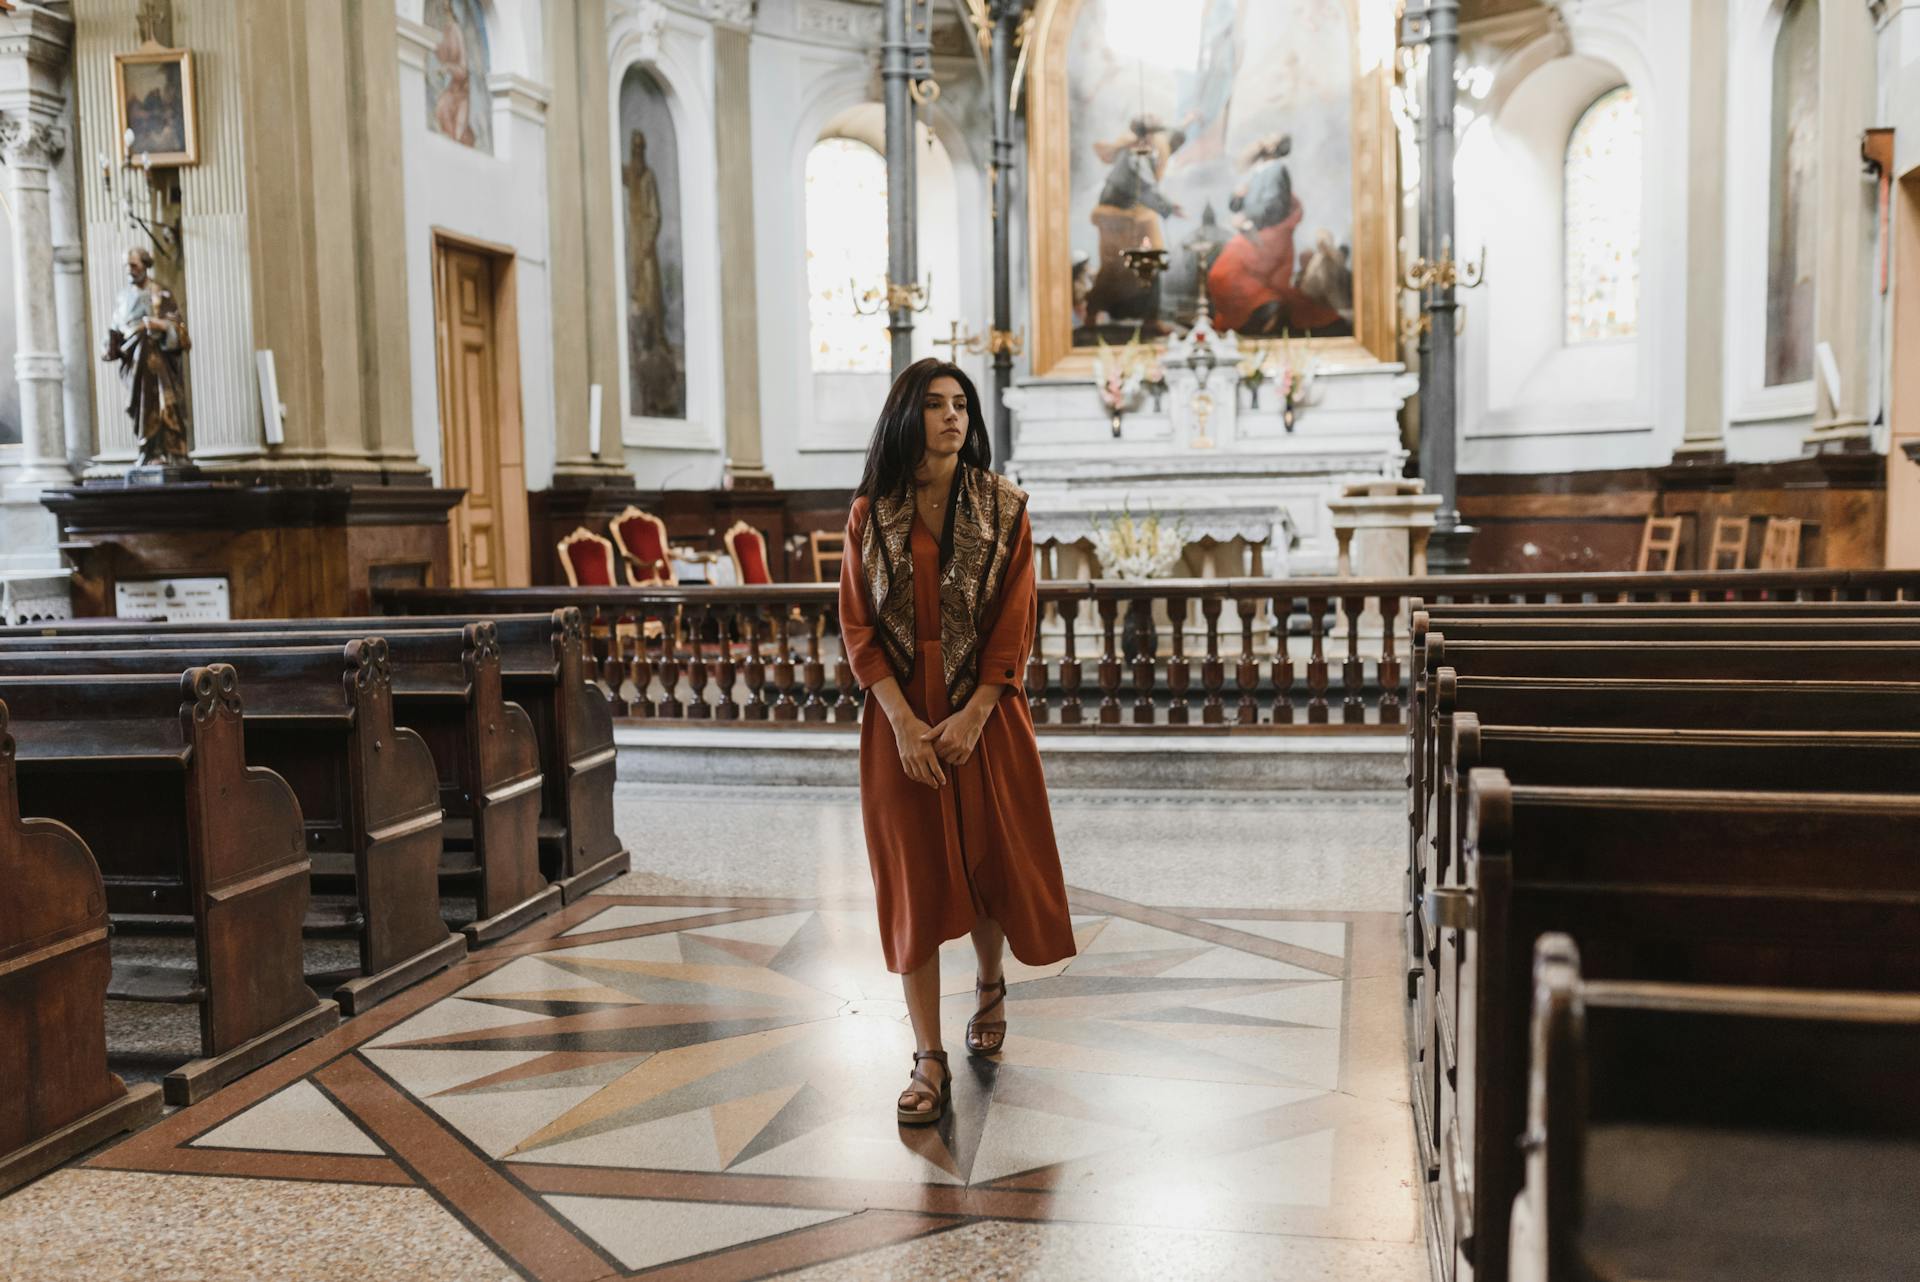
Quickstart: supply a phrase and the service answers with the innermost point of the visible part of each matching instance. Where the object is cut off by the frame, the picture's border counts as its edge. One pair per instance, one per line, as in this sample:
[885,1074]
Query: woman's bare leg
[922,987]
[989,946]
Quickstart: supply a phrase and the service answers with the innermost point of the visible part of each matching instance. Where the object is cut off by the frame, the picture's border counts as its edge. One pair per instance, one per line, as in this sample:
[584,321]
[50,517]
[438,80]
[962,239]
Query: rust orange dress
[982,846]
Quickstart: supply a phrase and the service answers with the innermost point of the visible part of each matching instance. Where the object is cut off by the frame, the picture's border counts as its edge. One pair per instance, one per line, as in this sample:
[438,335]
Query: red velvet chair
[588,559]
[748,548]
[642,538]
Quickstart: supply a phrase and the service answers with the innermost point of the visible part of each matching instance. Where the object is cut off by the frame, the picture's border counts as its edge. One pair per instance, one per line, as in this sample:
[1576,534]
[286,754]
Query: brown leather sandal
[941,1095]
[996,1029]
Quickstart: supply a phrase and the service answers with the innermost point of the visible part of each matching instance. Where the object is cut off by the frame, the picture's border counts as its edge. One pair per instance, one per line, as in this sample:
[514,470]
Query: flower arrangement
[1155,382]
[1291,378]
[1145,548]
[1117,376]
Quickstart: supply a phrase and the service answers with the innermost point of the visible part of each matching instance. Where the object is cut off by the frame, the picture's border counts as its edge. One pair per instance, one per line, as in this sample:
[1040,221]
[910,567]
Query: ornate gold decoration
[991,343]
[909,298]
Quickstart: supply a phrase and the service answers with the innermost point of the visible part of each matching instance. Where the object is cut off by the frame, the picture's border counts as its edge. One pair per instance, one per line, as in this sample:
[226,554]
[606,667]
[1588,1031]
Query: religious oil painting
[154,94]
[1219,131]
[458,105]
[656,281]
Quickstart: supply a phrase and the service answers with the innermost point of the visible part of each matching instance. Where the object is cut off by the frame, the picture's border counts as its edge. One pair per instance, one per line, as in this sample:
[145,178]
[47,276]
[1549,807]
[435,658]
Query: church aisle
[698,1086]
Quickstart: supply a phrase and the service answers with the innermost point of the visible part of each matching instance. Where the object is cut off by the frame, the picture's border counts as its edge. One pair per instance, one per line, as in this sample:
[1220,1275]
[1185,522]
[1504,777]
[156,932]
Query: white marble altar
[1234,474]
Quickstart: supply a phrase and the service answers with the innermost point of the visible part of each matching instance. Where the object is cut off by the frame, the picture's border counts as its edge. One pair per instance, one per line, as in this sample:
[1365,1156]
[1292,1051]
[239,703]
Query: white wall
[500,199]
[1531,403]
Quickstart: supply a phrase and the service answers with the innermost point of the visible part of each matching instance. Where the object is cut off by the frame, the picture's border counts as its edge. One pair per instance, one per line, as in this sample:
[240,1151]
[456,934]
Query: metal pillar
[1439,440]
[906,61]
[1006,29]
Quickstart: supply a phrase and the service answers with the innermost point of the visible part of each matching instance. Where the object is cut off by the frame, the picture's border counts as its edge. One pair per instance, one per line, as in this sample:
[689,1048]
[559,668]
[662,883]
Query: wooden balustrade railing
[1202,654]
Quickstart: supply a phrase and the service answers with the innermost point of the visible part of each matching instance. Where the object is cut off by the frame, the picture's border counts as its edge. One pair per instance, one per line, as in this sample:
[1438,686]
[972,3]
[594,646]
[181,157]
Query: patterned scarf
[983,513]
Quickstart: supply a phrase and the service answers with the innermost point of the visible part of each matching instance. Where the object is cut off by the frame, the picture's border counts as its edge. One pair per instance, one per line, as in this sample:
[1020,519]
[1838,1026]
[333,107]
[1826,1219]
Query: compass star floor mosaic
[702,1087]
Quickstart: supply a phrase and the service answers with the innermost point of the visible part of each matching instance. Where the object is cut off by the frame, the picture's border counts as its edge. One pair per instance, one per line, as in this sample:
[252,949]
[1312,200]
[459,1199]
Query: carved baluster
[1282,661]
[1037,706]
[640,672]
[698,709]
[1070,709]
[1109,666]
[725,669]
[1353,708]
[670,667]
[1317,661]
[1213,673]
[1389,663]
[611,672]
[756,673]
[814,674]
[1179,669]
[784,707]
[846,707]
[1140,616]
[1246,673]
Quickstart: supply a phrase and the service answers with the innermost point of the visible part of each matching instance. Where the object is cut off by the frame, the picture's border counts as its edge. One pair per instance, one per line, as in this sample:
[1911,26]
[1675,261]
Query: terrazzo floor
[691,1075]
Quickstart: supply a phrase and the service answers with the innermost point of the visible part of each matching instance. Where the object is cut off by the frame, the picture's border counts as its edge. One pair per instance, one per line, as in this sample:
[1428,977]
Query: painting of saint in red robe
[1219,131]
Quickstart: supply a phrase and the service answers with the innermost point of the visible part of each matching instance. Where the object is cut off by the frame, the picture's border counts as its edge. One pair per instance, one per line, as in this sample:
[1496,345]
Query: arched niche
[653,235]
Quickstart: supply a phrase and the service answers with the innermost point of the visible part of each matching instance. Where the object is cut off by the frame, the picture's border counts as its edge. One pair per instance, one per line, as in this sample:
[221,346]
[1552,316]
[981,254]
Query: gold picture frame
[1376,197]
[153,104]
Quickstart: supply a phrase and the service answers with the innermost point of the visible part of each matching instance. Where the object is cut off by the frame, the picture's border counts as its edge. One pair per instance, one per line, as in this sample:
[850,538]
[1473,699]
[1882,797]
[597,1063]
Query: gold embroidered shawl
[983,515]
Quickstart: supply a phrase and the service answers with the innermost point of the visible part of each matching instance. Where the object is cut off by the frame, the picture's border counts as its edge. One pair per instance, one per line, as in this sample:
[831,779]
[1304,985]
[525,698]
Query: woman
[937,608]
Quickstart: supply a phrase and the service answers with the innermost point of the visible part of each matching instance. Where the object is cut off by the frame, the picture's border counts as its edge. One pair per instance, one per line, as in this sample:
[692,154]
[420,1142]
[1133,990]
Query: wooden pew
[151,772]
[1728,759]
[60,1099]
[446,687]
[1684,654]
[1778,1137]
[321,717]
[544,669]
[1791,890]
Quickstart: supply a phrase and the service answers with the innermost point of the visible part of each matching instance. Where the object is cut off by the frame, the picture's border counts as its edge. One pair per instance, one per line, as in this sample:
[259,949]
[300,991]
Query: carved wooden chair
[1781,550]
[829,550]
[588,559]
[644,550]
[1728,551]
[1660,544]
[748,548]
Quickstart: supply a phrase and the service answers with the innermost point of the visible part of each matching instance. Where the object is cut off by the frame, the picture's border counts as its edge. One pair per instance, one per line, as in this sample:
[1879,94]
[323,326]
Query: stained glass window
[846,254]
[1790,217]
[1602,198]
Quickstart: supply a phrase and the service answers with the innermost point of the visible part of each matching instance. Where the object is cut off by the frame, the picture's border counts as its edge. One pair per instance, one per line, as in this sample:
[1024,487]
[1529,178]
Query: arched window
[1602,206]
[1790,195]
[846,253]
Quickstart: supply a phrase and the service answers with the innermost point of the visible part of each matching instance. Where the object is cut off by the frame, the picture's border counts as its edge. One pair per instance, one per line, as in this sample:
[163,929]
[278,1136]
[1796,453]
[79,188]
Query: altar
[1248,493]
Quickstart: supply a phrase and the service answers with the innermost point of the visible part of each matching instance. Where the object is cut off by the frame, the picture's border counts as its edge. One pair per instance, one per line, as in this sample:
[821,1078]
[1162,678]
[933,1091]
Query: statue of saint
[148,340]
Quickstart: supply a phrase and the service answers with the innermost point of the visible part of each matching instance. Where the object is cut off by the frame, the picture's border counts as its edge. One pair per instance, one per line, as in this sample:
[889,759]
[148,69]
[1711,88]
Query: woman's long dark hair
[900,436]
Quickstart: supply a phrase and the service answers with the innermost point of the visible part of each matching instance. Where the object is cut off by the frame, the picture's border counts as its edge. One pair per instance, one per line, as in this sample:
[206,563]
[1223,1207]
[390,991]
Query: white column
[1846,219]
[29,148]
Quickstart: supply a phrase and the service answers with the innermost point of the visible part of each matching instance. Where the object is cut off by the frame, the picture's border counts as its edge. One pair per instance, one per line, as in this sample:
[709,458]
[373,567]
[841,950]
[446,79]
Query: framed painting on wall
[1246,138]
[153,101]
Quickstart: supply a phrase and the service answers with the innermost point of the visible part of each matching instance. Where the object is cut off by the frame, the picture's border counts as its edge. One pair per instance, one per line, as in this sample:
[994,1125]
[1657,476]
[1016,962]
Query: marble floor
[691,1075]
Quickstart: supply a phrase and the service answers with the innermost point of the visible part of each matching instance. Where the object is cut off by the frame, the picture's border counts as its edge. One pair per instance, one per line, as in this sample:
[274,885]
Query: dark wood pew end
[197,1079]
[364,992]
[598,874]
[531,909]
[140,1105]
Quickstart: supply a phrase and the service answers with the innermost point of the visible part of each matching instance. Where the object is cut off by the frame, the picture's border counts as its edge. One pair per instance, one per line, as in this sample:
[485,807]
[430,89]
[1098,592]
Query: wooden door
[480,433]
